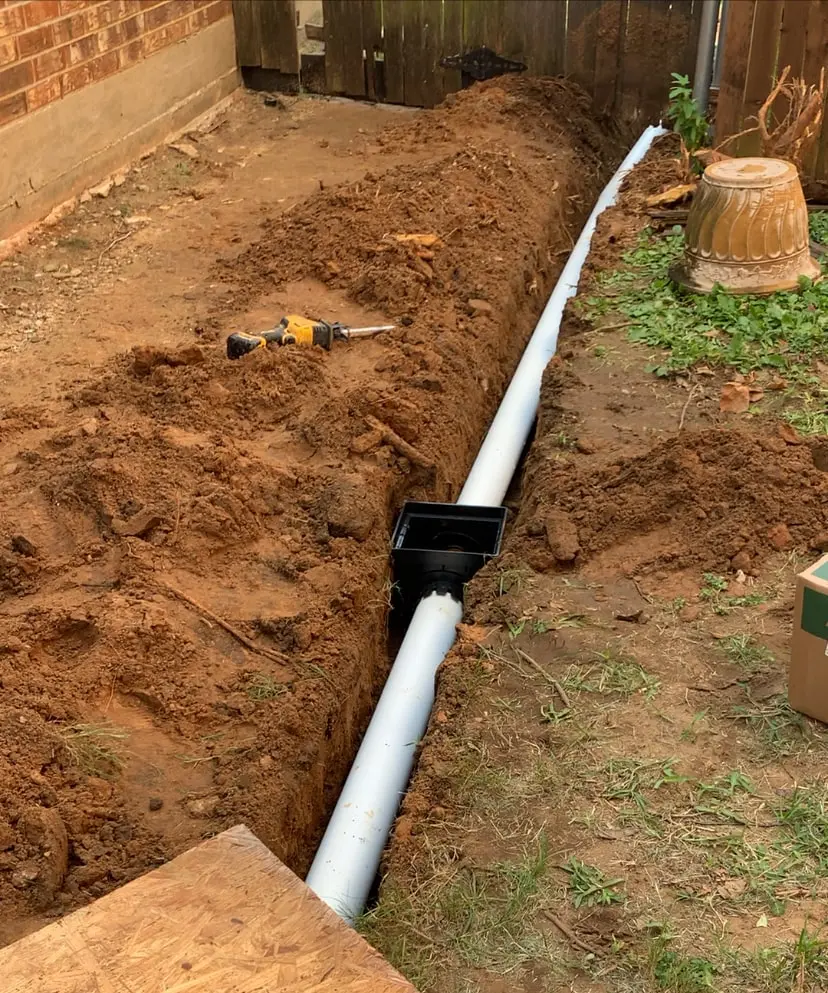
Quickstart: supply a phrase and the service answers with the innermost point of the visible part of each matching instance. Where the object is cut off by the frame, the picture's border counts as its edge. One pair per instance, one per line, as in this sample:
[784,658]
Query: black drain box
[440,546]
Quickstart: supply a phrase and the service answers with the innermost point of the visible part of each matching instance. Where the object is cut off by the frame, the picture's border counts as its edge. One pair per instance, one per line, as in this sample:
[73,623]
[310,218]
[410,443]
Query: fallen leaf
[732,888]
[789,434]
[755,393]
[735,398]
[420,240]
[763,921]
[674,195]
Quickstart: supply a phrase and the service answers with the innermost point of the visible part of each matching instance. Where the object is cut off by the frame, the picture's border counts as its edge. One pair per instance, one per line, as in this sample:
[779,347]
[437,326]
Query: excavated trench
[257,498]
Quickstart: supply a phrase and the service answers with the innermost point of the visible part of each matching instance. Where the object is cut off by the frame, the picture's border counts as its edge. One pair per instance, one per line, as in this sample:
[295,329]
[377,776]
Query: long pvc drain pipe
[349,855]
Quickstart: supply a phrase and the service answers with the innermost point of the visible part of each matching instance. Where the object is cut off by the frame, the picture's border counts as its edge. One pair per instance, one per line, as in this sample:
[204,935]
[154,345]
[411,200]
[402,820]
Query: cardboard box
[808,674]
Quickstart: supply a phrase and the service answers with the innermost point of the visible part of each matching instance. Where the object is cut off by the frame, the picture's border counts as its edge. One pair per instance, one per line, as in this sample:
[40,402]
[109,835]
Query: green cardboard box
[808,674]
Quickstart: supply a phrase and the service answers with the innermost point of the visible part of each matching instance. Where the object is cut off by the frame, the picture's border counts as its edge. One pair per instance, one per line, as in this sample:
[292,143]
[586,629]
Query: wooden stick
[549,678]
[268,653]
[686,405]
[570,934]
[400,444]
[112,244]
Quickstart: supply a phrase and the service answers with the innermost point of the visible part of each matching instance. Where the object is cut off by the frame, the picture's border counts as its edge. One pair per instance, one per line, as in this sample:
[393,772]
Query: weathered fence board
[762,37]
[266,34]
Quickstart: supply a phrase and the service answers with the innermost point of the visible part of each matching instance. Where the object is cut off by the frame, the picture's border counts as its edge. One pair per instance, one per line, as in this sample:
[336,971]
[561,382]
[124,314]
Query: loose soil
[193,551]
[614,794]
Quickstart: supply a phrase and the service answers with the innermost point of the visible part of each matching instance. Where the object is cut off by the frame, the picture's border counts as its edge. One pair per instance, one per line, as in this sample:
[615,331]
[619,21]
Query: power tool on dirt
[293,329]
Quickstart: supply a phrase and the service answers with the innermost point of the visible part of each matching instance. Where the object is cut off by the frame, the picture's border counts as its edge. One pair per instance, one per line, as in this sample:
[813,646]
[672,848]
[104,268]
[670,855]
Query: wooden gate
[621,51]
[266,34]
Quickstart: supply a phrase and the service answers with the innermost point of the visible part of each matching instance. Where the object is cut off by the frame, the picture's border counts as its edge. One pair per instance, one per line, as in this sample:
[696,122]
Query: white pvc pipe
[500,452]
[347,860]
[349,855]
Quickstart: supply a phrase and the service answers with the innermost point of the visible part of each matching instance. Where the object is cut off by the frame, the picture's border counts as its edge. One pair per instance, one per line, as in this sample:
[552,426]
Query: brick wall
[50,48]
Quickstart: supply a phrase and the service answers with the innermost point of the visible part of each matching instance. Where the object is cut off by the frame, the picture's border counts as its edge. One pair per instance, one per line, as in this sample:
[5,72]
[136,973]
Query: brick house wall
[88,85]
[50,48]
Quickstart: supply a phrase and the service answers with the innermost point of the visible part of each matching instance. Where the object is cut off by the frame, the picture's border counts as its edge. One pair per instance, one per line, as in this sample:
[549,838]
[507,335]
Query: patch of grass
[779,730]
[813,417]
[260,687]
[713,591]
[510,581]
[782,333]
[479,917]
[95,748]
[800,965]
[563,440]
[589,887]
[74,241]
[627,779]
[613,672]
[516,628]
[679,973]
[746,653]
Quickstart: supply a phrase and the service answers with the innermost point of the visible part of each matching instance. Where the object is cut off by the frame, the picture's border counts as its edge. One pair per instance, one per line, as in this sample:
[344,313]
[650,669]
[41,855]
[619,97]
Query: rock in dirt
[348,510]
[820,542]
[102,189]
[635,617]
[21,544]
[586,446]
[562,536]
[479,307]
[203,806]
[155,803]
[138,526]
[145,358]
[741,561]
[780,537]
[690,613]
[186,148]
[44,828]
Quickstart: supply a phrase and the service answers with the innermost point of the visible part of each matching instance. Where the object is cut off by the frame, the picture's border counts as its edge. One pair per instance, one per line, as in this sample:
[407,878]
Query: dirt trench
[194,552]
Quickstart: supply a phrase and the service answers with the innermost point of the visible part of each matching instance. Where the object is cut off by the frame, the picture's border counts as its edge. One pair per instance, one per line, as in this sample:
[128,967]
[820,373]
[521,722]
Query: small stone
[119,178]
[137,219]
[266,761]
[585,446]
[203,806]
[479,307]
[51,267]
[186,148]
[820,542]
[85,197]
[138,525]
[741,561]
[406,320]
[324,143]
[562,536]
[441,717]
[102,189]
[22,546]
[690,613]
[24,876]
[780,537]
[155,803]
[143,187]
[89,427]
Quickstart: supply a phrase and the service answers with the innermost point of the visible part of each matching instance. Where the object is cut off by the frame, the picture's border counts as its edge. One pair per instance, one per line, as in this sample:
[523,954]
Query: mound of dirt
[707,500]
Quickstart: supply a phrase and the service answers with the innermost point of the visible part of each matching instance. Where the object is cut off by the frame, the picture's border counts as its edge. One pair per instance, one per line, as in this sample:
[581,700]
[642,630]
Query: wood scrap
[569,934]
[674,195]
[268,653]
[399,444]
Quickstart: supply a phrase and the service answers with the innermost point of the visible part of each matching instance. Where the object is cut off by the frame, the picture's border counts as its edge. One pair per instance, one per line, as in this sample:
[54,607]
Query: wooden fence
[761,38]
[621,51]
[266,34]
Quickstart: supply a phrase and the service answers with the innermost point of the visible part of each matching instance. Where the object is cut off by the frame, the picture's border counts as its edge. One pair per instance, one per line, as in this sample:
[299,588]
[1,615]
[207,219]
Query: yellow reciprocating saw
[294,329]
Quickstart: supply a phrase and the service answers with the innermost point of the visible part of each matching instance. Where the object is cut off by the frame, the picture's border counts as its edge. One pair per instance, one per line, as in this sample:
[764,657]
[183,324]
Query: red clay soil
[177,494]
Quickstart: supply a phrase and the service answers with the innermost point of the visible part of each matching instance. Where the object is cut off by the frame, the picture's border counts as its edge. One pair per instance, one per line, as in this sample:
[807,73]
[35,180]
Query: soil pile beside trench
[709,500]
[193,552]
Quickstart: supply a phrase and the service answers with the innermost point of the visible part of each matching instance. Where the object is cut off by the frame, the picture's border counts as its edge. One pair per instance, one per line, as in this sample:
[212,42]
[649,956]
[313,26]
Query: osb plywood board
[225,917]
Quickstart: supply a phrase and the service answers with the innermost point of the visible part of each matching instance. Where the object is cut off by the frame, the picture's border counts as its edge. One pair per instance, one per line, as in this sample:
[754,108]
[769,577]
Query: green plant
[679,973]
[818,226]
[588,886]
[745,652]
[713,591]
[683,112]
[613,672]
